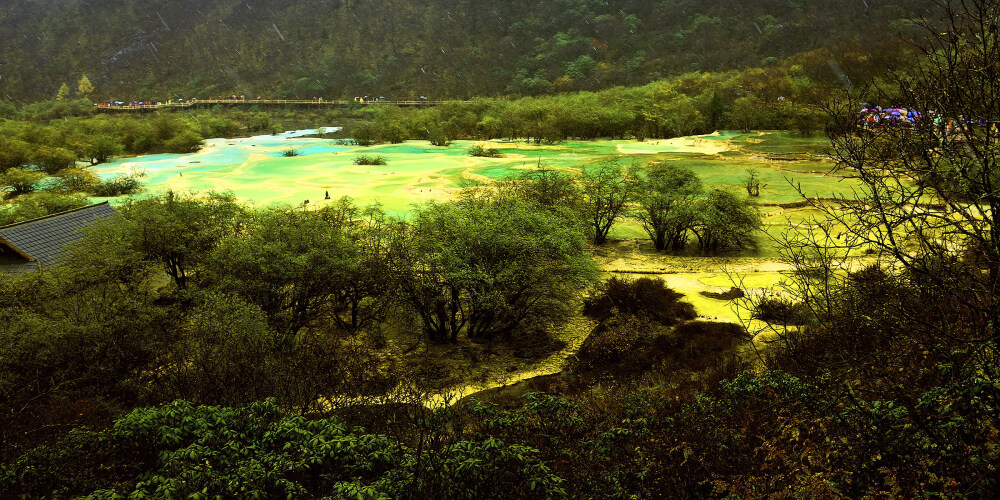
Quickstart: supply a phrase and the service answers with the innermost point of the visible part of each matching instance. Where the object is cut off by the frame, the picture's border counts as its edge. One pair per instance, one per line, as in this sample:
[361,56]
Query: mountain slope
[342,48]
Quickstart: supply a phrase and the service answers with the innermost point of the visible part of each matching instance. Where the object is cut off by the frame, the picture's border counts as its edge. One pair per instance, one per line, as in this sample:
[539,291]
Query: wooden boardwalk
[202,103]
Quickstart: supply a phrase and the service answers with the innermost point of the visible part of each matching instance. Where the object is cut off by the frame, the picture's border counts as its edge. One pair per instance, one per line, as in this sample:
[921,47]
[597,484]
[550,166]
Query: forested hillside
[401,49]
[839,339]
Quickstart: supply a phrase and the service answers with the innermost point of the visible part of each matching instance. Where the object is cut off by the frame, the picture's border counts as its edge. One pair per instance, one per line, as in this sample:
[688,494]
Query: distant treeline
[779,97]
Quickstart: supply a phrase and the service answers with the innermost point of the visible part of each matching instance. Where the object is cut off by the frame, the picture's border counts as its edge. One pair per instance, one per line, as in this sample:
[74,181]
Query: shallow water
[256,171]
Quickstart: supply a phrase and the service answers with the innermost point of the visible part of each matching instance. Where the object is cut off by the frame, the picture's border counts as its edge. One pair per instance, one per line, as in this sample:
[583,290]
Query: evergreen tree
[84,88]
[63,92]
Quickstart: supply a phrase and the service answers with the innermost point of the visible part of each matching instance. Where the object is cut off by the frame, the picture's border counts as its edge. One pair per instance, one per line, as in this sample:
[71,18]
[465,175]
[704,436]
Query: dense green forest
[343,48]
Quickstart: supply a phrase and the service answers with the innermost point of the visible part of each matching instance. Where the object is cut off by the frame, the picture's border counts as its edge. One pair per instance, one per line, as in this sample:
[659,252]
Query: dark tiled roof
[43,241]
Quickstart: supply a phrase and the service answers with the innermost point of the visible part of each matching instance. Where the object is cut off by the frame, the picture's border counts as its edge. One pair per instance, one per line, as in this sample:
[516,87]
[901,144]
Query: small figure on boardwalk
[327,196]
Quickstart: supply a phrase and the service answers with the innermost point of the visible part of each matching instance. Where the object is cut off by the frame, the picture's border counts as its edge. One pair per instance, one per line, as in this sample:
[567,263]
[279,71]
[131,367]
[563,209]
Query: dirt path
[574,332]
[688,275]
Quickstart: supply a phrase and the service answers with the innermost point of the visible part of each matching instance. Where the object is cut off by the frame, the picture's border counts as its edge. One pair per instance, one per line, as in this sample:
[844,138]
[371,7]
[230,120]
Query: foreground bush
[752,436]
[765,435]
[182,450]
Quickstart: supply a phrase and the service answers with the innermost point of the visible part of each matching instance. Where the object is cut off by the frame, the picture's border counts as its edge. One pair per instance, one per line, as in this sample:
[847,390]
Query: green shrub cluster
[369,160]
[260,451]
[646,297]
[484,151]
[118,186]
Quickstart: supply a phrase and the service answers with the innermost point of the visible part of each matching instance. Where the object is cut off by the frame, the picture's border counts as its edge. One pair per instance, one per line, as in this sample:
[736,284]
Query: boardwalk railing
[266,102]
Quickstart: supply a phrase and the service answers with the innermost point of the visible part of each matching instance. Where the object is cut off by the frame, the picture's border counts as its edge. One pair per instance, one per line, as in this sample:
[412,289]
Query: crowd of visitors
[180,102]
[873,117]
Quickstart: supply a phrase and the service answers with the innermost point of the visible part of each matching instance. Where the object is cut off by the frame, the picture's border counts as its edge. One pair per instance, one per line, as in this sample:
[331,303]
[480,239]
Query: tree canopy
[668,211]
[484,266]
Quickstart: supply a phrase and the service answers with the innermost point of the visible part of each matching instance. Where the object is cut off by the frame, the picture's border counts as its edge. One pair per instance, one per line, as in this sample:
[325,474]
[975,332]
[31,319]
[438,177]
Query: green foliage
[861,426]
[781,310]
[623,342]
[365,135]
[289,153]
[667,196]
[548,188]
[288,263]
[369,160]
[251,452]
[752,182]
[84,88]
[7,110]
[51,110]
[503,50]
[806,120]
[580,68]
[57,145]
[727,222]
[187,141]
[488,265]
[694,355]
[687,104]
[224,354]
[14,153]
[605,444]
[63,92]
[627,441]
[483,151]
[53,160]
[438,137]
[260,452]
[227,352]
[118,185]
[487,469]
[608,189]
[103,148]
[20,181]
[40,204]
[177,231]
[74,334]
[890,389]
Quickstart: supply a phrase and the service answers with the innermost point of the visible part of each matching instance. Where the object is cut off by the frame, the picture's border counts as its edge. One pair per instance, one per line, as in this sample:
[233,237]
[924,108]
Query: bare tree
[752,182]
[929,179]
[922,215]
